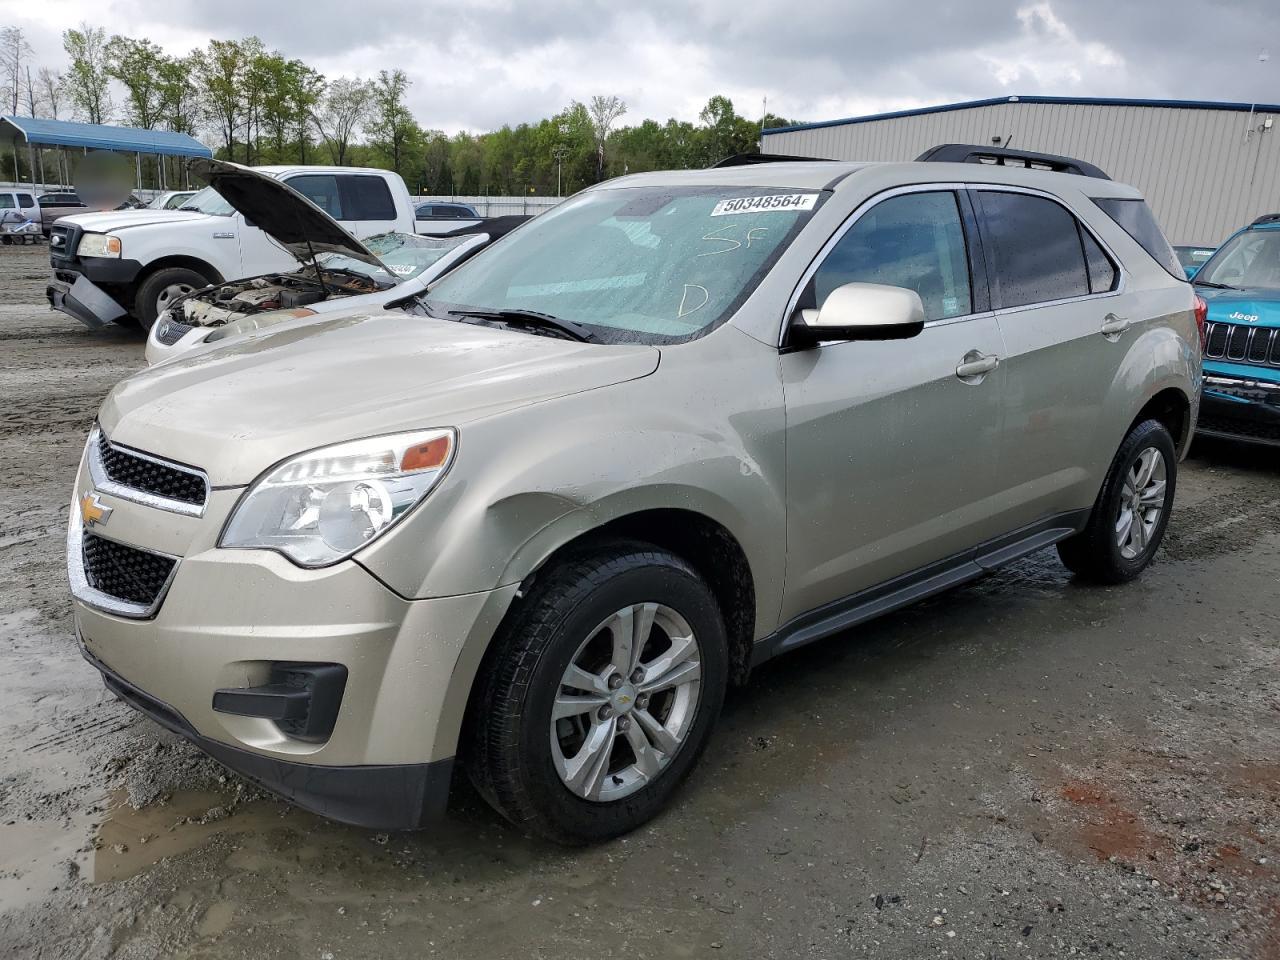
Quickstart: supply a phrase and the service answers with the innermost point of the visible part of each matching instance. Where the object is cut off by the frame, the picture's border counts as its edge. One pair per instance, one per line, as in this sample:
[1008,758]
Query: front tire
[599,694]
[1132,511]
[159,290]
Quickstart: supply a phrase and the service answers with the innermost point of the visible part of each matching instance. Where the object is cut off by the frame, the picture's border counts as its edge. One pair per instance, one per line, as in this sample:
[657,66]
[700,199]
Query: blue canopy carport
[63,135]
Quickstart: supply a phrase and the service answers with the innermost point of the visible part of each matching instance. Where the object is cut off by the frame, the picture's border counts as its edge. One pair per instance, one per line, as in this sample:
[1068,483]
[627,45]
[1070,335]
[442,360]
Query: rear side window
[1033,249]
[1138,222]
[367,198]
[26,201]
[1102,272]
[915,240]
[322,190]
[6,201]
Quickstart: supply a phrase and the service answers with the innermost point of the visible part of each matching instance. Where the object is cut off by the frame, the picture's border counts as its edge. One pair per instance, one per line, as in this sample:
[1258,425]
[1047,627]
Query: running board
[905,590]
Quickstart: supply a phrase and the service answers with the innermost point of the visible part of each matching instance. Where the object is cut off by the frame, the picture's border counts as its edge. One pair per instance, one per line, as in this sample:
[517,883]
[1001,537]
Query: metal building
[1205,168]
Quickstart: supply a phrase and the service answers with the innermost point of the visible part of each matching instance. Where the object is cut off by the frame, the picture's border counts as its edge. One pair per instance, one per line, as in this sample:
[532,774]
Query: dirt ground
[1025,767]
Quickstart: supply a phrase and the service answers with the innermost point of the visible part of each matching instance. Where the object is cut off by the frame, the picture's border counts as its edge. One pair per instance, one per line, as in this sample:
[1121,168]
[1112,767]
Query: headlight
[98,245]
[323,506]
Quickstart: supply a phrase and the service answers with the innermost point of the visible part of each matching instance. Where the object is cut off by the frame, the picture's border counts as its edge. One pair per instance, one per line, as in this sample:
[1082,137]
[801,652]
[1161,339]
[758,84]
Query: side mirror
[861,311]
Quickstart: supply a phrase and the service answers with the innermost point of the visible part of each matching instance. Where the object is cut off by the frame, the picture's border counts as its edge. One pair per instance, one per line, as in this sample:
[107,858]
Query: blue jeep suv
[1241,284]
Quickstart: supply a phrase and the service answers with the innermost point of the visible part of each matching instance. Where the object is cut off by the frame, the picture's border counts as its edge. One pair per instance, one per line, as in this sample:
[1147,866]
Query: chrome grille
[171,331]
[142,478]
[1243,344]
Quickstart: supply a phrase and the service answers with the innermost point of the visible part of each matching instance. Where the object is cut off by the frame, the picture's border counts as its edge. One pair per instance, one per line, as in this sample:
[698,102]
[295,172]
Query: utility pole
[560,153]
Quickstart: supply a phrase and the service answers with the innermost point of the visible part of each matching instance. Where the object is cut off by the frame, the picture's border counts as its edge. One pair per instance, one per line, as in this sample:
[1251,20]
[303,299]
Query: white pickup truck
[130,265]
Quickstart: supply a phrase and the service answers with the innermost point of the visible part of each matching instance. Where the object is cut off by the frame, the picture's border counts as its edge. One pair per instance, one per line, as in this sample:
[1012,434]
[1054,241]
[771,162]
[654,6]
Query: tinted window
[916,241]
[1136,218]
[6,201]
[322,190]
[1033,250]
[1102,272]
[25,200]
[367,198]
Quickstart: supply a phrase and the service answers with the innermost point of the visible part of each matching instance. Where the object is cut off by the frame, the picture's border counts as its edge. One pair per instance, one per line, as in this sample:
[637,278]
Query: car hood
[237,410]
[281,212]
[1254,306]
[112,220]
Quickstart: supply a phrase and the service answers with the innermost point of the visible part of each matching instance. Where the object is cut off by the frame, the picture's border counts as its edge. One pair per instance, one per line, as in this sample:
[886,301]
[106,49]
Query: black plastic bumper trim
[378,797]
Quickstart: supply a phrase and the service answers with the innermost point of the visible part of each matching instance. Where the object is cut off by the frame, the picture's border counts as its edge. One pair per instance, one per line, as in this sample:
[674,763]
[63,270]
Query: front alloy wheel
[626,702]
[599,692]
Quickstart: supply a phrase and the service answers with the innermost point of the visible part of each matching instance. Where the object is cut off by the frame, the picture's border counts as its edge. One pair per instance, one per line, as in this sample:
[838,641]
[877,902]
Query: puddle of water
[129,841]
[34,860]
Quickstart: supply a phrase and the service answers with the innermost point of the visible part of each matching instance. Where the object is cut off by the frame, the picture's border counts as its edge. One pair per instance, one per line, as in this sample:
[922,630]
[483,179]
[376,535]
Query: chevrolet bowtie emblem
[93,511]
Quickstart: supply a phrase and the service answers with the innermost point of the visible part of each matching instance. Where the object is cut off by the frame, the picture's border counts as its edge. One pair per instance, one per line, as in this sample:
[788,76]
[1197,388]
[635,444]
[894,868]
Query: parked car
[348,277]
[130,266]
[171,199]
[436,217]
[682,423]
[19,216]
[1193,257]
[1241,283]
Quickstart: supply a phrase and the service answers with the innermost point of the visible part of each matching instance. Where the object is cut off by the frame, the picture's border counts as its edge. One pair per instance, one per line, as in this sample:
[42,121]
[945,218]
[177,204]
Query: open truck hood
[280,212]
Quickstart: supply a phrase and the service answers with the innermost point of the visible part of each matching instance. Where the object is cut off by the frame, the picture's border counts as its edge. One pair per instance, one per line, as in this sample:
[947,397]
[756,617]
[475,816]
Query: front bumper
[226,618]
[1238,407]
[85,301]
[380,797]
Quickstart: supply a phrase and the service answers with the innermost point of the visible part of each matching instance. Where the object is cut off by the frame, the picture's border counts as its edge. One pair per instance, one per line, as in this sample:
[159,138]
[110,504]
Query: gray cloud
[481,64]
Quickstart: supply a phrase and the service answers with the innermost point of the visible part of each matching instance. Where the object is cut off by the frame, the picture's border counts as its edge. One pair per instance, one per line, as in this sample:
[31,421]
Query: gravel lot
[1024,767]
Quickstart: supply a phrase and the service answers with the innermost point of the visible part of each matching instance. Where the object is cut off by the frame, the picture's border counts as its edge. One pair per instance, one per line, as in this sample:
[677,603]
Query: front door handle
[975,365]
[1113,326]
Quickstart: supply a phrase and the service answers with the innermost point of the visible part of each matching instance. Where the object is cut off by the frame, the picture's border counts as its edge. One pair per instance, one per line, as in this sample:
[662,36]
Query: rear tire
[162,288]
[1132,510]
[561,741]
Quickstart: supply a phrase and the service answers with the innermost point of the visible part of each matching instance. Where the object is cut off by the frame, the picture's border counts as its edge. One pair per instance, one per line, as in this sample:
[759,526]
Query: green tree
[88,82]
[138,65]
[340,112]
[390,124]
[181,105]
[604,113]
[220,74]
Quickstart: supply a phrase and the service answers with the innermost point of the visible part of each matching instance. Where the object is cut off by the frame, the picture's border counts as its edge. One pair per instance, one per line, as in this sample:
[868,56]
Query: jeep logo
[1251,317]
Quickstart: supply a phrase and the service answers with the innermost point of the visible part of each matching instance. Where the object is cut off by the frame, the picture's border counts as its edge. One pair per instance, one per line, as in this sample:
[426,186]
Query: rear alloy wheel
[598,694]
[1132,510]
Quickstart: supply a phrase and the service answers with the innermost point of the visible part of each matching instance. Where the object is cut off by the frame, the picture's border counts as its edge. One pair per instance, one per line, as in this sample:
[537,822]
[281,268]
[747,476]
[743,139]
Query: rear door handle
[976,365]
[1113,326]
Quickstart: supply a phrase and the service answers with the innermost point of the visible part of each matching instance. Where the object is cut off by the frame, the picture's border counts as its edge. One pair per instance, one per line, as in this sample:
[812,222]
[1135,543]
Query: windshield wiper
[1215,286]
[533,320]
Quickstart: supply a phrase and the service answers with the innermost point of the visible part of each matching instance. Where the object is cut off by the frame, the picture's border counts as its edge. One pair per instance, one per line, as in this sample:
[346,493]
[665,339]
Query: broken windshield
[635,264]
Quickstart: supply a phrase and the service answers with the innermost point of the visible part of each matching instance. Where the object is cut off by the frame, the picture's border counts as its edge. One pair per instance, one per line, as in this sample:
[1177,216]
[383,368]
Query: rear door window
[1102,272]
[914,240]
[1034,253]
[1138,222]
[6,201]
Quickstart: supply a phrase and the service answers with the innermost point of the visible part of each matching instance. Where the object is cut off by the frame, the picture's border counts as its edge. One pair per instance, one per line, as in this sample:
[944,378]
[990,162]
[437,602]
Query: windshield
[1193,256]
[209,201]
[406,255]
[1249,259]
[636,264]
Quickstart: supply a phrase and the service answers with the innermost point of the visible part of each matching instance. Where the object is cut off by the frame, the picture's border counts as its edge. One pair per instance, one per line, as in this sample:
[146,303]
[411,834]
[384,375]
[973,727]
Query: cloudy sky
[476,64]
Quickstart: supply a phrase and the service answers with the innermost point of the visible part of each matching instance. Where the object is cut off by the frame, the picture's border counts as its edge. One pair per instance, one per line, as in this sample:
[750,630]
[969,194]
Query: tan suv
[684,422]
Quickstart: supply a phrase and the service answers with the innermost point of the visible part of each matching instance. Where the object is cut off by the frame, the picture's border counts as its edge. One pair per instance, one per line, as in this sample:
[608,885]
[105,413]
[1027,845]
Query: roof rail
[746,159]
[1267,218]
[1005,157]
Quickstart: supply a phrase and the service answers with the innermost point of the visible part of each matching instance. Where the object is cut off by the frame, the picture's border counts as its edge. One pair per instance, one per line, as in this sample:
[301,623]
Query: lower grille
[1242,343]
[124,572]
[1249,429]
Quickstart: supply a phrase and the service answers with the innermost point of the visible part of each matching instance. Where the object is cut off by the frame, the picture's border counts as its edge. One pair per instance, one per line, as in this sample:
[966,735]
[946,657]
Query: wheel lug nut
[623,724]
[606,712]
[637,674]
[642,702]
[615,681]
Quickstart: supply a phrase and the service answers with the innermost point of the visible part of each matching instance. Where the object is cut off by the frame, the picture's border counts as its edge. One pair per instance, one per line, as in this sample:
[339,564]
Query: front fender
[528,481]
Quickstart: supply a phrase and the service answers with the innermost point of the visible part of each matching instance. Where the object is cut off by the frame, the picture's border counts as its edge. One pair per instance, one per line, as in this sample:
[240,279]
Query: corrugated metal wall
[1200,174]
